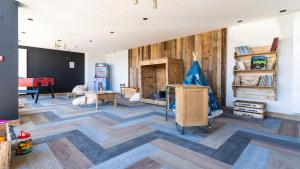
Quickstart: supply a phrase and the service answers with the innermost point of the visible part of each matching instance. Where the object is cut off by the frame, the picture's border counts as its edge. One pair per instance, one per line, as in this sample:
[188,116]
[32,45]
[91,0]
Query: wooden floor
[137,136]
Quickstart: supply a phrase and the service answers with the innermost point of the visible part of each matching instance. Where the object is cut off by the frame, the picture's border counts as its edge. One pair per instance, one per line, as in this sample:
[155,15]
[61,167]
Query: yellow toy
[2,139]
[24,147]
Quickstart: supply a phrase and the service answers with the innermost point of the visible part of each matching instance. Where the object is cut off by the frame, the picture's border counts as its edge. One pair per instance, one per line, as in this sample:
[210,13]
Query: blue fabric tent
[195,76]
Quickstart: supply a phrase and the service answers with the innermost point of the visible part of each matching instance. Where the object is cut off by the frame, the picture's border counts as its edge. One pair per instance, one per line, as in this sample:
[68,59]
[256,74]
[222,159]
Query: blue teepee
[195,76]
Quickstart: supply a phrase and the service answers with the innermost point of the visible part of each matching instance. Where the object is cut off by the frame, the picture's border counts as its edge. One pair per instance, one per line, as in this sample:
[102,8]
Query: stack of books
[242,50]
[266,80]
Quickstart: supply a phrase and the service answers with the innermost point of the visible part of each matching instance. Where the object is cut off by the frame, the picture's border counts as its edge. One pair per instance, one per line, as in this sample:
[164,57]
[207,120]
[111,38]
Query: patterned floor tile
[136,135]
[68,155]
[128,158]
[218,138]
[254,157]
[289,128]
[41,157]
[200,160]
[146,163]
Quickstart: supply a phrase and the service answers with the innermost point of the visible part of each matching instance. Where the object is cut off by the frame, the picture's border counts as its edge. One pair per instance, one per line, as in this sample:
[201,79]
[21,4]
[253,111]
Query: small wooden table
[103,95]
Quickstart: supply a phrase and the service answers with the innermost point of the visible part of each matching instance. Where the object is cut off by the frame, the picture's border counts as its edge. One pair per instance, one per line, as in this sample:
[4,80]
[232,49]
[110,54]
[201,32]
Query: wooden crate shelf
[249,109]
[257,87]
[244,85]
[256,71]
[269,54]
[5,147]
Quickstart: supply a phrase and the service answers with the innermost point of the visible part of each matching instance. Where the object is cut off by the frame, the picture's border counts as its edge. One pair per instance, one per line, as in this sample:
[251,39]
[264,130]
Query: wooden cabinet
[191,105]
[156,74]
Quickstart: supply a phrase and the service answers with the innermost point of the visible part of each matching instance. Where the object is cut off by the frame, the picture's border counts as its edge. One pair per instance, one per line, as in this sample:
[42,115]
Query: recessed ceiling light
[112,32]
[282,11]
[30,19]
[145,19]
[23,32]
[91,41]
[240,21]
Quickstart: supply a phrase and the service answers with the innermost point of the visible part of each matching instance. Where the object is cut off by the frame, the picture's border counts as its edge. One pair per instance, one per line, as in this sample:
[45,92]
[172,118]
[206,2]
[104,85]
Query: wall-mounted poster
[72,65]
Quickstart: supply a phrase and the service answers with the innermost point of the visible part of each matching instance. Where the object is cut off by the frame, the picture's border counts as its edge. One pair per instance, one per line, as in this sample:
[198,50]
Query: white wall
[296,67]
[262,33]
[22,62]
[119,65]
[90,60]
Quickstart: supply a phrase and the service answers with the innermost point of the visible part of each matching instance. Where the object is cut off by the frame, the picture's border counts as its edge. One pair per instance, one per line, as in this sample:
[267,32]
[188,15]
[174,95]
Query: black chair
[122,86]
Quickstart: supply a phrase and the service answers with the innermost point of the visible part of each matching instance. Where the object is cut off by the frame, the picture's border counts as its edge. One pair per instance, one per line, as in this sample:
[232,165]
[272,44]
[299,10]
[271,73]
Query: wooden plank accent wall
[211,48]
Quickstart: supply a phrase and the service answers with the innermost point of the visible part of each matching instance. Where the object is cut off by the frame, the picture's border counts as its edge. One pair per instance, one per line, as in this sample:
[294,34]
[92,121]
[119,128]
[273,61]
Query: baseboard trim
[287,116]
[16,122]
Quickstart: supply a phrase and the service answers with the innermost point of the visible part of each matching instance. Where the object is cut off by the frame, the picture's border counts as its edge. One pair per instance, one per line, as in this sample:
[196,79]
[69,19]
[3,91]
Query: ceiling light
[60,45]
[240,21]
[30,19]
[136,2]
[282,11]
[145,19]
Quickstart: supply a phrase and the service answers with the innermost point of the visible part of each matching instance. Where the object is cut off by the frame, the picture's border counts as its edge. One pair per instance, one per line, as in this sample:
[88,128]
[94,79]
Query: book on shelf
[266,80]
[275,44]
[242,50]
[259,62]
[239,65]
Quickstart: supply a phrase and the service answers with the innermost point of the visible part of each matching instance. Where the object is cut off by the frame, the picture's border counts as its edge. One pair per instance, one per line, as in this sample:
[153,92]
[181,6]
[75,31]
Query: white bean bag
[135,98]
[80,89]
[80,101]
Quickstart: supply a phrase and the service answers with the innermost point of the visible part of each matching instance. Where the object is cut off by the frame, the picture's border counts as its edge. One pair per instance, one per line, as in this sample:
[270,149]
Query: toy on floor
[24,147]
[2,139]
[24,135]
[25,144]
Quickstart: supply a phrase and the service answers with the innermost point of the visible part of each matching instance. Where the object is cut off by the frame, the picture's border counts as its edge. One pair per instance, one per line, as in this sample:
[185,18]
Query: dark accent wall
[55,63]
[9,68]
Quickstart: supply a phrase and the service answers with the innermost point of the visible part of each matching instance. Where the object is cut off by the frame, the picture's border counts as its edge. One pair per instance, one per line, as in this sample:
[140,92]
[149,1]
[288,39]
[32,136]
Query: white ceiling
[78,21]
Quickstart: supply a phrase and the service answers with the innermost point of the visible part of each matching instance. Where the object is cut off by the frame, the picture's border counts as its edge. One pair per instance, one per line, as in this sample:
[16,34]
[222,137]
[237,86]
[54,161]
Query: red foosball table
[34,84]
